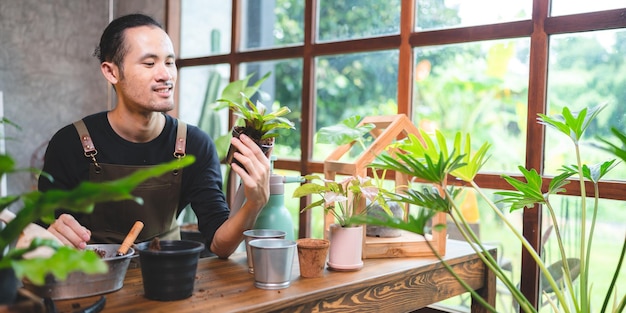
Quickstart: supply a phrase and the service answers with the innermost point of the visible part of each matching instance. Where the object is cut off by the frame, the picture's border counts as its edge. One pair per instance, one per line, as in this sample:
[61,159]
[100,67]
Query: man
[137,58]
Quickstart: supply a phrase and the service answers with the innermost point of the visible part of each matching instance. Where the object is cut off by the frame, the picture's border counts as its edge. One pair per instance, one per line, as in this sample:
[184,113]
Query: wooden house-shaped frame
[387,130]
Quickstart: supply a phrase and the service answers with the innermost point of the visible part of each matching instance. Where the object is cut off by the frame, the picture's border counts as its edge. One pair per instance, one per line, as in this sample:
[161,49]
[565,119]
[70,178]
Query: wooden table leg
[487,292]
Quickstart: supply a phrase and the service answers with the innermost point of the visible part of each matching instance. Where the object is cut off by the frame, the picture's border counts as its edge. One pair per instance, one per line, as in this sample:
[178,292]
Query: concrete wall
[48,75]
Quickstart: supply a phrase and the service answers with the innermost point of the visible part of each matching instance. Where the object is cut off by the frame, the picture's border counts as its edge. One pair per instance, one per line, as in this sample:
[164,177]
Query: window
[449,65]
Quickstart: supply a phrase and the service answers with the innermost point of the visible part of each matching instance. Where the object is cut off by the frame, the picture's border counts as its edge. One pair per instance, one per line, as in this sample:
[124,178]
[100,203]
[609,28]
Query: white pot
[346,248]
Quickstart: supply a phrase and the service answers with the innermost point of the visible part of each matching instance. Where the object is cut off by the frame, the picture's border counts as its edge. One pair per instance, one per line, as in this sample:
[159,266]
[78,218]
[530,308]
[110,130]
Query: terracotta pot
[346,248]
[312,255]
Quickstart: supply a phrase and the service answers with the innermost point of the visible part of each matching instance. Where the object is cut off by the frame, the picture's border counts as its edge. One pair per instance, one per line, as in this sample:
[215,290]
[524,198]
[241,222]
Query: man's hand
[70,232]
[255,177]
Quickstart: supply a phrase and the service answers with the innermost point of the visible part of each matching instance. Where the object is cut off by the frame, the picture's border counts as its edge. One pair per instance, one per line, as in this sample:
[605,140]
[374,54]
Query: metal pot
[79,284]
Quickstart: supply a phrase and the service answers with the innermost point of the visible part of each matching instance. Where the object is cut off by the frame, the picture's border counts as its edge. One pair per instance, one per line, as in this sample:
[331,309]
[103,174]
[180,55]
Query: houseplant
[432,163]
[253,120]
[342,199]
[348,131]
[37,205]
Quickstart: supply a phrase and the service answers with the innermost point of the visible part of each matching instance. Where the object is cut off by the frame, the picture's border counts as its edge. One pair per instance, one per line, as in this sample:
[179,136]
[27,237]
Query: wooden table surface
[382,285]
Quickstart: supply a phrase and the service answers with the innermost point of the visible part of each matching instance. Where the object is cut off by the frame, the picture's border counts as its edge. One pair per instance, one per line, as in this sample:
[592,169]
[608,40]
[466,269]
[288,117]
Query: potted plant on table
[342,199]
[432,162]
[37,205]
[348,131]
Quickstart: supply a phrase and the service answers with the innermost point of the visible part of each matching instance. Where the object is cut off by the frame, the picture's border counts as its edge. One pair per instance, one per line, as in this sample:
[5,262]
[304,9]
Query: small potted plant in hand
[342,199]
[254,120]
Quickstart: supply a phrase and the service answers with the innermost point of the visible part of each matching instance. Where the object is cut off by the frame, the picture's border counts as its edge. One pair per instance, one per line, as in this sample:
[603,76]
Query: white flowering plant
[341,198]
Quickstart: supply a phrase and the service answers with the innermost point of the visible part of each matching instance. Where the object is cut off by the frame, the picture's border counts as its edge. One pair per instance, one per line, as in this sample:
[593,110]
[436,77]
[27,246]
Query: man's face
[148,75]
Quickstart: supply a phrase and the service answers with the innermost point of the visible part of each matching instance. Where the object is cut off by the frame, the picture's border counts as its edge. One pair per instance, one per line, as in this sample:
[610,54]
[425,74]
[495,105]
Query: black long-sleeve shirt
[201,182]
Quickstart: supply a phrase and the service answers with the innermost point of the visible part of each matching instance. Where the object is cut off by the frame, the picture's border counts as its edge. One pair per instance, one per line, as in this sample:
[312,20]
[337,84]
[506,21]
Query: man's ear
[110,71]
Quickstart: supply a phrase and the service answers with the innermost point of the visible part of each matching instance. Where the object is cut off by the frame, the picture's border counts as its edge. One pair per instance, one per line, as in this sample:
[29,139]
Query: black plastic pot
[8,286]
[236,131]
[169,273]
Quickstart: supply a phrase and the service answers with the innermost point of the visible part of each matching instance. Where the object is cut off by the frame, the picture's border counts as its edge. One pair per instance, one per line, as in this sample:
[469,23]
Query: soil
[155,244]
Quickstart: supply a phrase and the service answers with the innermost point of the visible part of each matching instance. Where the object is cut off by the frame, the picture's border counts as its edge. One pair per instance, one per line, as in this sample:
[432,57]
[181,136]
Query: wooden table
[382,285]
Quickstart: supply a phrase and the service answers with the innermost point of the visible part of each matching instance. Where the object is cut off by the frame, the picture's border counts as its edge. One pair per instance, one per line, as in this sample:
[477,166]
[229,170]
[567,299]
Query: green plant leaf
[593,173]
[236,91]
[416,224]
[473,162]
[309,189]
[345,132]
[426,198]
[7,164]
[63,262]
[433,171]
[615,149]
[528,193]
[556,271]
[572,124]
[559,181]
[42,205]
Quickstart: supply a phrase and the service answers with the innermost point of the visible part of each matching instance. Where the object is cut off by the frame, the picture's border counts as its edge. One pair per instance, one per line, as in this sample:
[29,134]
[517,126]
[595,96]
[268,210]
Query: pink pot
[346,248]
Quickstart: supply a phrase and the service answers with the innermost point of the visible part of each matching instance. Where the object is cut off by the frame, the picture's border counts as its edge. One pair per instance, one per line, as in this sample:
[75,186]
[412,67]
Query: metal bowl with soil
[79,284]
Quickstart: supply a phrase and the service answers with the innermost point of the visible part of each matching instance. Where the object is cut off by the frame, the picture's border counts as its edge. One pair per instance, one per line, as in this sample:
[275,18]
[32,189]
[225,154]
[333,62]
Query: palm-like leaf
[429,162]
[618,151]
[473,162]
[528,193]
[572,124]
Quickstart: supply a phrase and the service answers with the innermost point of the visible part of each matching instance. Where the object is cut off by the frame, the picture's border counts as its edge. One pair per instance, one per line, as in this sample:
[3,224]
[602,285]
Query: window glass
[565,7]
[353,19]
[354,84]
[479,88]
[282,88]
[608,238]
[586,70]
[271,23]
[431,15]
[199,87]
[205,28]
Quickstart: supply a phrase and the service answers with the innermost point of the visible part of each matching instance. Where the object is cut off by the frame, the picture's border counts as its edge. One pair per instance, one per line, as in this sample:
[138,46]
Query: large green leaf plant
[37,205]
[432,161]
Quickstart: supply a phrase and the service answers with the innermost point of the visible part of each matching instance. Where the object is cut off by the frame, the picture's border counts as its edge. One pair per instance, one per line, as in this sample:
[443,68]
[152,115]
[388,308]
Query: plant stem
[467,287]
[583,232]
[489,261]
[526,246]
[596,192]
[566,270]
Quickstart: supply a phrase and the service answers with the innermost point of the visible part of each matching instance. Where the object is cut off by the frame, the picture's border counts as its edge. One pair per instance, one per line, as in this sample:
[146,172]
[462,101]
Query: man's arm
[255,181]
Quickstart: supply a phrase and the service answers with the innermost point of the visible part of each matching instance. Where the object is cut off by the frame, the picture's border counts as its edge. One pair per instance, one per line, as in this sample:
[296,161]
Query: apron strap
[85,140]
[90,149]
[181,140]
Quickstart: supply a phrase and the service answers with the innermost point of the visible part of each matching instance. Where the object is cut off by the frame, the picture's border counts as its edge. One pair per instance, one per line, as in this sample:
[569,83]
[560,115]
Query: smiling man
[137,57]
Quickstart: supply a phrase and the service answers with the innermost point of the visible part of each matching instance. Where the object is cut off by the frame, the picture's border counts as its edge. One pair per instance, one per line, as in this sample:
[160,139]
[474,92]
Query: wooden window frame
[538,29]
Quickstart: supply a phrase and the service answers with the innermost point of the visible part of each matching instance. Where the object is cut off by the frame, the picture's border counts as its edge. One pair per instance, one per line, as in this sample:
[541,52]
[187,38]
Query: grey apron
[110,221]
